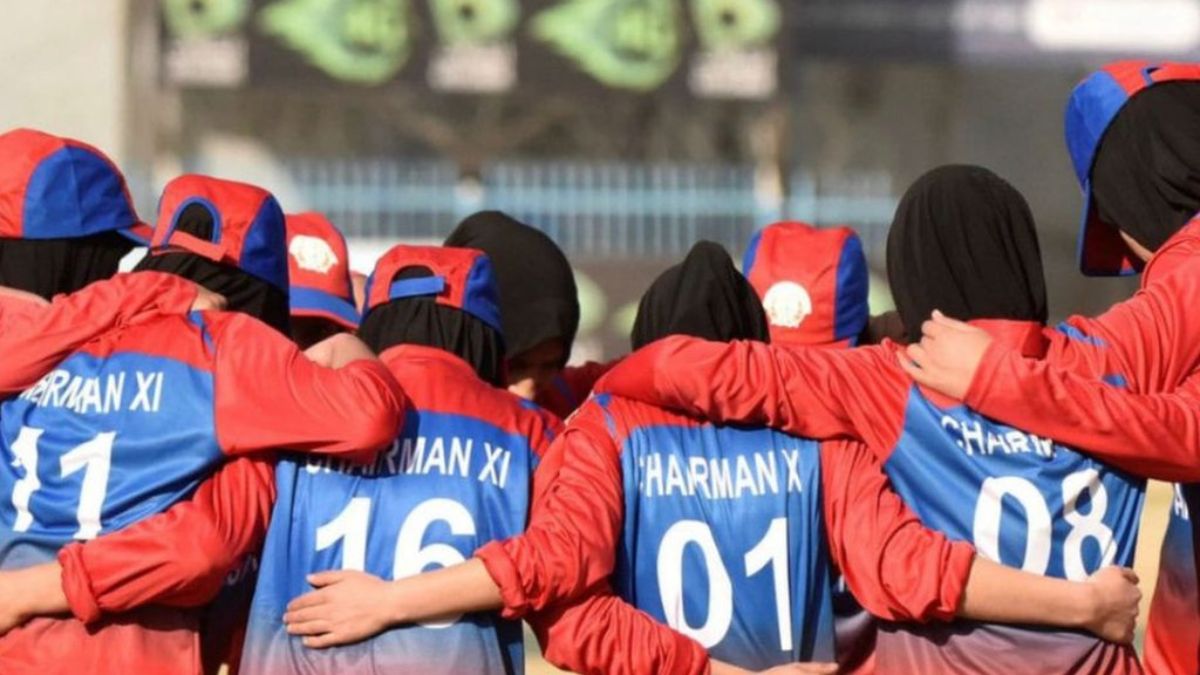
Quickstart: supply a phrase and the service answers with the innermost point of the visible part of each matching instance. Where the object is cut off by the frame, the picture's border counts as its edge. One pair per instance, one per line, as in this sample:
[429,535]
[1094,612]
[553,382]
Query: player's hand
[948,355]
[347,607]
[1114,601]
[12,606]
[24,296]
[30,592]
[207,300]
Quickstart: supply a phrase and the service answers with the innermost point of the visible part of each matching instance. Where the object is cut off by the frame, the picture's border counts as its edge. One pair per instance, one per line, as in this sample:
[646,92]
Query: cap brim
[1101,251]
[315,303]
[139,233]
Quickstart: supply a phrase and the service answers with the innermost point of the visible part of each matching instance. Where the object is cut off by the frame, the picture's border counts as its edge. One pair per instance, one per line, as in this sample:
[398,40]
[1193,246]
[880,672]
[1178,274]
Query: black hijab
[538,298]
[704,296]
[1146,177]
[963,241]
[243,292]
[47,267]
[421,321]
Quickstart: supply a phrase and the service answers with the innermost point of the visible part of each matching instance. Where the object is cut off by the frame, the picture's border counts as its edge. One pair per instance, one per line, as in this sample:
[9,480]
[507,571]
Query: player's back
[458,477]
[118,431]
[723,535]
[1023,501]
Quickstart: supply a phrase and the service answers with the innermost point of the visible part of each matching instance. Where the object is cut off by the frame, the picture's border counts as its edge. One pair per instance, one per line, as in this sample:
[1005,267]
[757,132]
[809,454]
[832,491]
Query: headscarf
[243,292]
[1146,177]
[538,298]
[963,241]
[422,321]
[47,267]
[704,296]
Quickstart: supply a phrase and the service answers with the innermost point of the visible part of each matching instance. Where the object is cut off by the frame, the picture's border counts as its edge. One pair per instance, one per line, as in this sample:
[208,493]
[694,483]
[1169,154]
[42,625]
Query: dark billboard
[704,48]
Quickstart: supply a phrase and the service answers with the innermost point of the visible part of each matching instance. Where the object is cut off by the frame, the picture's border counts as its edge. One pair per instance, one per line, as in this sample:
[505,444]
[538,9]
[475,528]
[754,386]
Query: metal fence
[592,209]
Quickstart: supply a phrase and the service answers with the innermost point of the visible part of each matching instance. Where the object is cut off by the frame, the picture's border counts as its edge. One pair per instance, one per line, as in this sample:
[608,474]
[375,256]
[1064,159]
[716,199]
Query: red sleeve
[269,395]
[34,339]
[179,557]
[1069,346]
[1151,435]
[896,568]
[1152,339]
[815,393]
[601,634]
[570,544]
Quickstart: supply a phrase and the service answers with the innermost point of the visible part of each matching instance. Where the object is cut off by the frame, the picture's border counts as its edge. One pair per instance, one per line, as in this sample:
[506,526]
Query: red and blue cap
[249,230]
[59,188]
[462,278]
[813,282]
[319,270]
[1094,104]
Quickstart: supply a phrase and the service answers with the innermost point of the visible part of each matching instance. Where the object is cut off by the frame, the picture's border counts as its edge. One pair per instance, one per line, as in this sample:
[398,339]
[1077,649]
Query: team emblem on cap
[312,254]
[787,304]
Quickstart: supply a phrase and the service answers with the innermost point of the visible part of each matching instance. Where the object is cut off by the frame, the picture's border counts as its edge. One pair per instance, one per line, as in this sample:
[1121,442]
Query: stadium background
[627,129]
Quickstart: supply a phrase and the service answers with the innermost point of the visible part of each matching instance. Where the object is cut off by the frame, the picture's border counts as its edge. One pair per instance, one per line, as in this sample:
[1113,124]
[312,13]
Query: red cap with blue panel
[249,230]
[319,270]
[462,278]
[1094,104]
[813,282]
[59,188]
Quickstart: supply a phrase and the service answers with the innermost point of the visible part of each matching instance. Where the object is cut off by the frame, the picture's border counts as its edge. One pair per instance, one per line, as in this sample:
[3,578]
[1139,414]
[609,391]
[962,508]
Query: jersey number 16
[410,558]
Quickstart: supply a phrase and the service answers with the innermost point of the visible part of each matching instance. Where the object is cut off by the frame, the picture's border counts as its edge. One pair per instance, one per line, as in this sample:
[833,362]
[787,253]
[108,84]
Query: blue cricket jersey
[458,477]
[724,538]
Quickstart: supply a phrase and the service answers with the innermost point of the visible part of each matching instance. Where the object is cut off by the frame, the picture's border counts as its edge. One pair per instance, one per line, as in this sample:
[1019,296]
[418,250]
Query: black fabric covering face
[963,241]
[1146,176]
[538,298]
[704,296]
[421,321]
[47,267]
[243,292]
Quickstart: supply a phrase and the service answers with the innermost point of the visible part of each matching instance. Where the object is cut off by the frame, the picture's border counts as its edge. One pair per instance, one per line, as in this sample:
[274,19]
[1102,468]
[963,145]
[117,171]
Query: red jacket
[267,395]
[34,337]
[897,568]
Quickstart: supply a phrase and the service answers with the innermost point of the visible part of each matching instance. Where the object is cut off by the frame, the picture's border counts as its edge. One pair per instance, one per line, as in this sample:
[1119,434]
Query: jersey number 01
[770,550]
